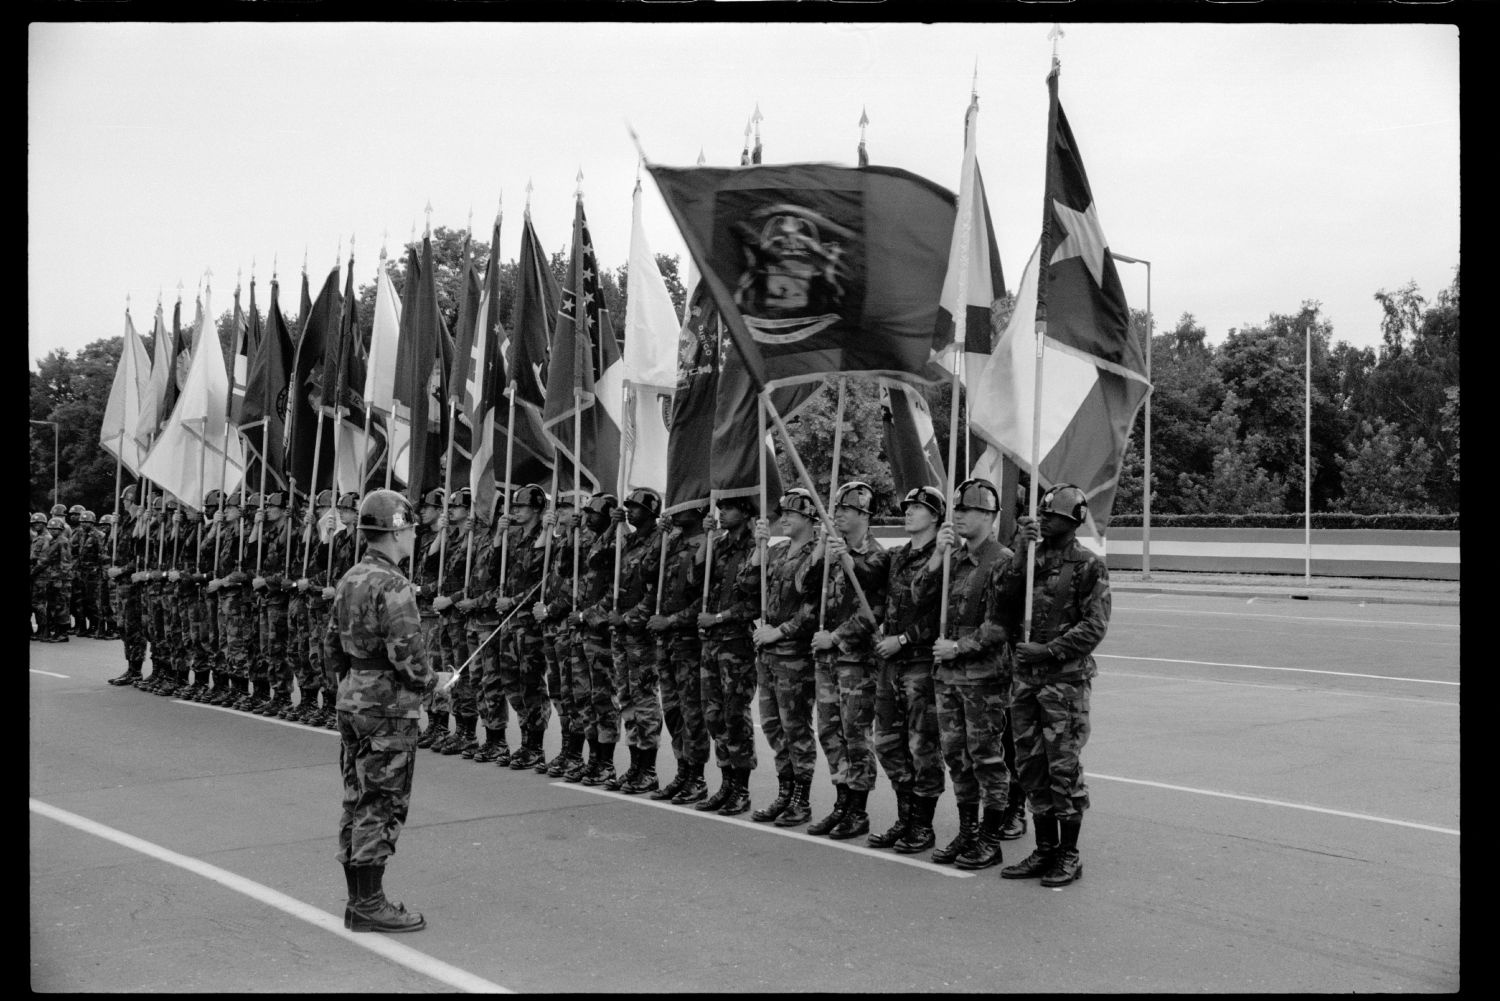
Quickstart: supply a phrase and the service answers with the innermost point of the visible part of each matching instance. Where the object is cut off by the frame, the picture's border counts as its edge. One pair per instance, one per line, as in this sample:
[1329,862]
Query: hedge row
[1405,522]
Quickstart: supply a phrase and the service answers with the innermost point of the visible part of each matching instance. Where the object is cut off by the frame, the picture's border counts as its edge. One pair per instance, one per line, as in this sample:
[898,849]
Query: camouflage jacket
[981,653]
[374,641]
[789,570]
[484,578]
[906,613]
[455,555]
[560,581]
[682,584]
[227,565]
[424,566]
[596,576]
[526,550]
[731,592]
[129,554]
[48,556]
[1070,608]
[88,550]
[639,564]
[275,560]
[841,612]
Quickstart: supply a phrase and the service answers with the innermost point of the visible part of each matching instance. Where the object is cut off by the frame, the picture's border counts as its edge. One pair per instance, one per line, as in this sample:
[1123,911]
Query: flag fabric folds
[181,359]
[304,409]
[240,352]
[1093,370]
[524,350]
[385,335]
[911,445]
[585,373]
[263,415]
[818,269]
[122,413]
[690,431]
[421,369]
[162,361]
[650,356]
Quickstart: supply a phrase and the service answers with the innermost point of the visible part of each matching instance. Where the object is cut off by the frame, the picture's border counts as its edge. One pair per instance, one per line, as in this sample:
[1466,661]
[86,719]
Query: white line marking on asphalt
[50,674]
[1285,688]
[750,825]
[1292,618]
[1263,667]
[258,719]
[1276,802]
[402,955]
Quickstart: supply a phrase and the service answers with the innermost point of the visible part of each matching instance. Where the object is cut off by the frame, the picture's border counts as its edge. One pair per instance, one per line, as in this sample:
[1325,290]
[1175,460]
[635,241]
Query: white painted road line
[750,825]
[1263,667]
[259,719]
[402,955]
[1157,609]
[50,674]
[1275,802]
[1284,688]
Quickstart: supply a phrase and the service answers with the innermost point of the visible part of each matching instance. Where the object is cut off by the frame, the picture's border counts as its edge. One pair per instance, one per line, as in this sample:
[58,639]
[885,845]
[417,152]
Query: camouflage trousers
[600,715]
[318,612]
[199,656]
[681,654]
[377,755]
[213,652]
[557,650]
[236,631]
[846,712]
[273,665]
[156,626]
[86,608]
[432,628]
[307,670]
[635,683]
[58,594]
[455,646]
[1051,721]
[788,691]
[485,674]
[523,673]
[39,607]
[132,624]
[971,721]
[104,601]
[726,677]
[907,741]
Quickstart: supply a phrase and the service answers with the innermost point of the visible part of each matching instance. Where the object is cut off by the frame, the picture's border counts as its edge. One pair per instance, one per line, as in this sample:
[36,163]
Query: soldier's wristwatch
[902,639]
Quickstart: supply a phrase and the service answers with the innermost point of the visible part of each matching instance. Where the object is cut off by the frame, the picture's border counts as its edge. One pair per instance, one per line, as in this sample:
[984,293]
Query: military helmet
[325,498]
[235,499]
[929,497]
[1067,500]
[170,503]
[349,501]
[59,511]
[254,500]
[976,494]
[433,498]
[462,497]
[214,498]
[856,494]
[37,518]
[602,503]
[76,509]
[56,523]
[531,495]
[744,503]
[274,498]
[87,517]
[385,511]
[157,503]
[645,497]
[108,519]
[799,500]
[128,495]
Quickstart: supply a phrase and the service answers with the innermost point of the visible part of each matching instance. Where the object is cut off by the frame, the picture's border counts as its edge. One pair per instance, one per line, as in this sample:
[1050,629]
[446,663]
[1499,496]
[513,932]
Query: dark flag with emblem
[263,413]
[458,366]
[1093,370]
[585,387]
[819,269]
[305,394]
[421,368]
[533,319]
[690,431]
[237,357]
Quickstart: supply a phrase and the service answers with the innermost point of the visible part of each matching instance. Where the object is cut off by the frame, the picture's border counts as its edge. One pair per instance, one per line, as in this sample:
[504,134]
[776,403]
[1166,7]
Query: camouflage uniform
[197,656]
[104,597]
[210,654]
[88,568]
[479,623]
[523,666]
[455,639]
[47,554]
[1049,702]
[424,578]
[273,665]
[784,668]
[682,650]
[234,596]
[846,674]
[637,663]
[375,648]
[727,672]
[565,673]
[973,686]
[596,573]
[128,594]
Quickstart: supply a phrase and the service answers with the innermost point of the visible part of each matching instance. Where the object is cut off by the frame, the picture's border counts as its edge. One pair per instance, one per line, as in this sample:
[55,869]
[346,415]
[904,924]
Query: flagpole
[447,489]
[547,541]
[577,469]
[390,451]
[202,455]
[260,534]
[312,487]
[845,561]
[833,480]
[1307,461]
[364,466]
[114,554]
[510,444]
[760,545]
[627,394]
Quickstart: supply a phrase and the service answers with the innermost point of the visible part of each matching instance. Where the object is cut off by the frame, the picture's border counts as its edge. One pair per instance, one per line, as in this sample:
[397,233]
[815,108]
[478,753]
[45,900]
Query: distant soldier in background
[480,620]
[231,585]
[210,669]
[49,555]
[104,598]
[88,568]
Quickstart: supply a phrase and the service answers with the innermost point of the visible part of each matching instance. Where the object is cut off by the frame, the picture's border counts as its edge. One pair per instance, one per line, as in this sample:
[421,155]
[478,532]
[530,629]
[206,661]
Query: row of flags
[797,273]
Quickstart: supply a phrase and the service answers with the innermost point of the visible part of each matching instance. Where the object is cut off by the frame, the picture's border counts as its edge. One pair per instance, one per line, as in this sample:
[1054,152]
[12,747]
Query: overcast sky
[1256,166]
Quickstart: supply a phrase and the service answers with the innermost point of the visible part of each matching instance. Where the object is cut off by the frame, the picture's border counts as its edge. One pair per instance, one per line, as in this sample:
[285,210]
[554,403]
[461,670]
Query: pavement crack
[1297,848]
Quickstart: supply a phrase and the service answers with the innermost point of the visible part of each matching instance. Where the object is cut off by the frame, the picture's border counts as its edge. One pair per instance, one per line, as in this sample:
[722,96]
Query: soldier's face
[430,514]
[971,522]
[1056,525]
[347,516]
[275,514]
[231,515]
[639,515]
[732,516]
[406,541]
[919,518]
[457,514]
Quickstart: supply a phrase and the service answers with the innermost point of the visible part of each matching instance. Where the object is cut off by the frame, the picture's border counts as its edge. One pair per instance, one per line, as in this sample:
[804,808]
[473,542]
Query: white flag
[650,357]
[122,413]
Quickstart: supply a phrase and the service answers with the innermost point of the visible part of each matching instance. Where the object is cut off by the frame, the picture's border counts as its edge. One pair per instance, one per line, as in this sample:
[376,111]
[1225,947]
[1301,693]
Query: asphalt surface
[1275,807]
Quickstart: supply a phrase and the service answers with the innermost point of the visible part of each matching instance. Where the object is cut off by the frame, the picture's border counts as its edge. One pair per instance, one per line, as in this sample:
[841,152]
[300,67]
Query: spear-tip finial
[338,253]
[273,267]
[179,290]
[579,191]
[239,274]
[528,198]
[304,258]
[208,277]
[384,236]
[1056,34]
[127,302]
[500,208]
[413,229]
[756,119]
[701,158]
[974,86]
[864,119]
[428,210]
[469,226]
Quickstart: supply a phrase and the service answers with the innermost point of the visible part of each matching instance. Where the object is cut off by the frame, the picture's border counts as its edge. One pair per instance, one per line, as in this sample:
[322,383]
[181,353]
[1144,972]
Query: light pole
[1146,450]
[54,458]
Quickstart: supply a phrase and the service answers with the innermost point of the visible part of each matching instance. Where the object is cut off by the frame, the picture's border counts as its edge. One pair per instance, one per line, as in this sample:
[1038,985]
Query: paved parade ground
[1275,807]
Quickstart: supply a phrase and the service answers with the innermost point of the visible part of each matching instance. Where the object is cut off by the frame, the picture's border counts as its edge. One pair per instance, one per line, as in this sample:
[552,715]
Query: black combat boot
[373,912]
[828,823]
[437,725]
[463,737]
[968,827]
[777,806]
[645,774]
[855,820]
[919,836]
[579,767]
[739,794]
[799,807]
[695,789]
[541,766]
[722,794]
[601,770]
[486,752]
[672,788]
[132,671]
[1067,866]
[1039,862]
[896,831]
[614,784]
[1013,825]
[571,754]
[353,883]
[984,850]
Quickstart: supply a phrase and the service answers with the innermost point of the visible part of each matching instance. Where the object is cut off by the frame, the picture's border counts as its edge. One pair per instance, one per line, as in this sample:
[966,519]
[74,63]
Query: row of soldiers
[623,623]
[69,591]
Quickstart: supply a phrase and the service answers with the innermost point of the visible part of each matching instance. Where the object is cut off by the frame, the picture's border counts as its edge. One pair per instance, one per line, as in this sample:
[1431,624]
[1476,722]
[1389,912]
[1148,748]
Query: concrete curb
[1298,595]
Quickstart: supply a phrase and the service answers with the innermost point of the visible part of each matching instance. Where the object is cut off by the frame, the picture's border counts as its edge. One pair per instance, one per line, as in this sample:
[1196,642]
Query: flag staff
[547,539]
[577,469]
[1306,459]
[760,544]
[627,394]
[114,554]
[960,331]
[833,485]
[312,487]
[338,397]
